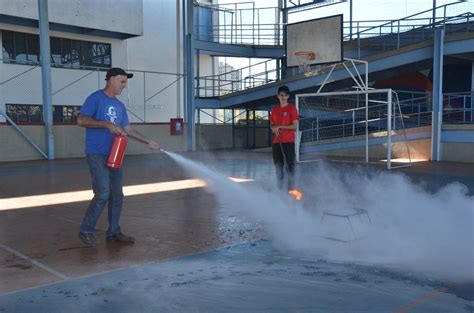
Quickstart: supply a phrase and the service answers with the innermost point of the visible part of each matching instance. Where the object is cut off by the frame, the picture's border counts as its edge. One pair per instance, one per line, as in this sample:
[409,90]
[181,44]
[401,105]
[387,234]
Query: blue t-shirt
[101,107]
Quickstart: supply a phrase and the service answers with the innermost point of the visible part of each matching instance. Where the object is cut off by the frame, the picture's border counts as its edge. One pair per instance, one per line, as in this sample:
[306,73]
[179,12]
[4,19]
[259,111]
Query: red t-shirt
[284,117]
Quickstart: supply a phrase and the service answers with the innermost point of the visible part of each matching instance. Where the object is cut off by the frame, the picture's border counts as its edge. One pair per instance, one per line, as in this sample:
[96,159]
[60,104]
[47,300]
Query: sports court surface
[196,251]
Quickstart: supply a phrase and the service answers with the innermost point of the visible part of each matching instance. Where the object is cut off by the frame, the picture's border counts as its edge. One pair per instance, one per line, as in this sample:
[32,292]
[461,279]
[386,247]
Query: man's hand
[153,145]
[116,130]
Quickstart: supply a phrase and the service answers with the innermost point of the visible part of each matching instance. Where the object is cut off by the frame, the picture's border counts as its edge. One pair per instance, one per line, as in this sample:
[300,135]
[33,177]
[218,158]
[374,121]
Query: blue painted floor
[200,249]
[251,277]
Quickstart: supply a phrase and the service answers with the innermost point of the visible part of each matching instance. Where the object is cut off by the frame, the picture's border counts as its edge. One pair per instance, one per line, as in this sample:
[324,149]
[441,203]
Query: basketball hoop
[303,58]
[308,55]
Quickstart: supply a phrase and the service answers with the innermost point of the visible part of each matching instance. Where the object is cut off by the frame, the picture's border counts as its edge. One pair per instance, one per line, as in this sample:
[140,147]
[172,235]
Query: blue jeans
[107,187]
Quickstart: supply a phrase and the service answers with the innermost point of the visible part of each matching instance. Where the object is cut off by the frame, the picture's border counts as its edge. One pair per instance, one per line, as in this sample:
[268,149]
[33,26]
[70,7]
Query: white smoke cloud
[405,226]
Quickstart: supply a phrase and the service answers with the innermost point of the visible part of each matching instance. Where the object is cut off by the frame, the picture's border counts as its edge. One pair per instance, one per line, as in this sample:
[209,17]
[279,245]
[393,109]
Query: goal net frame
[392,112]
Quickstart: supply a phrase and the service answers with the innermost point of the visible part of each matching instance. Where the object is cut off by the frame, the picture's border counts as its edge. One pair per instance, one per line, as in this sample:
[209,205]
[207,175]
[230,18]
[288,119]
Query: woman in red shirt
[284,123]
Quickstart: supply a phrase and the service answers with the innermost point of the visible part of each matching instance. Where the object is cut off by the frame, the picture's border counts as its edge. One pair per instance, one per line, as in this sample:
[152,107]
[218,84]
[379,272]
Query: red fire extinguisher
[117,151]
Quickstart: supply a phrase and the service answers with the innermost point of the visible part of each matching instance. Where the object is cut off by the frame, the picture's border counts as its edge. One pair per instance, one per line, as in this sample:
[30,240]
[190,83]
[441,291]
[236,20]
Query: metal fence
[238,23]
[458,108]
[243,23]
[251,76]
[370,37]
[337,121]
[150,96]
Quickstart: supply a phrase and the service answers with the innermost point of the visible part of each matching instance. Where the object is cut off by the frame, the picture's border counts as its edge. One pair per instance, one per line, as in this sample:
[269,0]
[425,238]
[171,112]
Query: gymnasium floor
[193,252]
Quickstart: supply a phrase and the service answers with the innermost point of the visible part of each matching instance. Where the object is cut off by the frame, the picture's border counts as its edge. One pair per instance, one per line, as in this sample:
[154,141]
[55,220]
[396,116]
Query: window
[33,113]
[86,54]
[65,114]
[20,48]
[25,113]
[66,55]
[8,46]
[24,48]
[57,113]
[76,54]
[55,51]
[100,54]
[33,48]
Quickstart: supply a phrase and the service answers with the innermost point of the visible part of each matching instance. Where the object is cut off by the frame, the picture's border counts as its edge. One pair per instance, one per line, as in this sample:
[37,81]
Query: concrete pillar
[45,61]
[350,18]
[285,21]
[233,129]
[437,115]
[472,86]
[189,72]
[178,59]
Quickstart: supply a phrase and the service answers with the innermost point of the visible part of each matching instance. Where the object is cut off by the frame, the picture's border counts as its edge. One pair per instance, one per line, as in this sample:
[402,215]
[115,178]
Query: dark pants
[107,187]
[279,159]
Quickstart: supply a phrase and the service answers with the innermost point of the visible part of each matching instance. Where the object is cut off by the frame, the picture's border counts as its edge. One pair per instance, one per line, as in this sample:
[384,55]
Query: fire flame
[295,193]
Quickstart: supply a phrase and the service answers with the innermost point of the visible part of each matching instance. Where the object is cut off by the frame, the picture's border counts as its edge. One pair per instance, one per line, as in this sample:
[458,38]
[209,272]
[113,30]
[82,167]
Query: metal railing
[243,34]
[146,94]
[252,76]
[300,6]
[238,23]
[441,15]
[395,36]
[243,23]
[368,39]
[415,109]
[458,108]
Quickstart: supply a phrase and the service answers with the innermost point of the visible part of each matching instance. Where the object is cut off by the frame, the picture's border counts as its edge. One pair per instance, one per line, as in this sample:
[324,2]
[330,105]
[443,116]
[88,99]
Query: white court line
[86,195]
[38,264]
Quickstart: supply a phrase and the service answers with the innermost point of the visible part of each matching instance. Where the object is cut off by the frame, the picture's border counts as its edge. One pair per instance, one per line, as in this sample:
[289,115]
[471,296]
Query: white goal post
[360,125]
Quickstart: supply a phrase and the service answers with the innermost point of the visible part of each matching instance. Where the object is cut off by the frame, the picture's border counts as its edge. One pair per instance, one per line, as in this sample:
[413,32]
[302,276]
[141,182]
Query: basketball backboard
[321,36]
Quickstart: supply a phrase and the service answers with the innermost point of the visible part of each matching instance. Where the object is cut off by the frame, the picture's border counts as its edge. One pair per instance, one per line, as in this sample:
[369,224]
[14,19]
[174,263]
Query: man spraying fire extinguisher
[105,119]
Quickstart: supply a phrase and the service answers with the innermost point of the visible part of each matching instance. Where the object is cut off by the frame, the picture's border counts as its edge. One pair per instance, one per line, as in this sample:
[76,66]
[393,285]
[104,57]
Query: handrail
[18,75]
[147,93]
[377,30]
[221,82]
[228,73]
[24,135]
[416,112]
[82,68]
[212,6]
[401,40]
[416,23]
[407,17]
[235,28]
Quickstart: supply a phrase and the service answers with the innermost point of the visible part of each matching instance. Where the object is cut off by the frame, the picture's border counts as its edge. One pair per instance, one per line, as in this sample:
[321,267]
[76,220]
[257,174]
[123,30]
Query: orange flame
[296,194]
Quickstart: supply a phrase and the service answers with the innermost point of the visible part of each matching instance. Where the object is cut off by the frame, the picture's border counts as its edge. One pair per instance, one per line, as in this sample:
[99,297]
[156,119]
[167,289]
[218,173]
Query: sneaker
[88,239]
[122,238]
